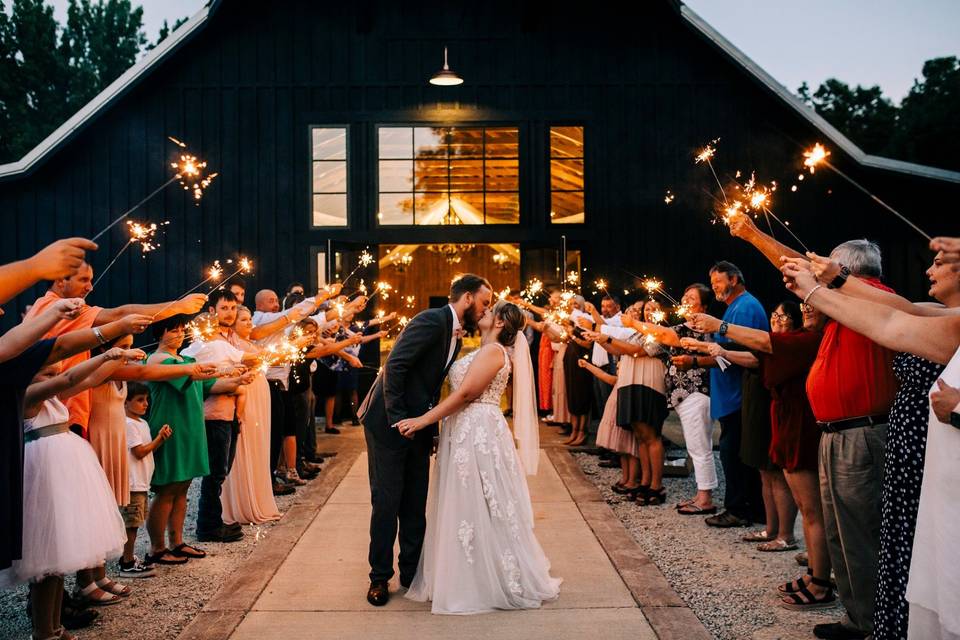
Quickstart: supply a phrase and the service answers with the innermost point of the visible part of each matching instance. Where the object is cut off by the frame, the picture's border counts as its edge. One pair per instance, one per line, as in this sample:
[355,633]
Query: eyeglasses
[780,317]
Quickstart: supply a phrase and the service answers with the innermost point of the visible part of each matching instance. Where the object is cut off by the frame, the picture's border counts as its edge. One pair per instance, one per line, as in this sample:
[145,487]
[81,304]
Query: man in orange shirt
[79,285]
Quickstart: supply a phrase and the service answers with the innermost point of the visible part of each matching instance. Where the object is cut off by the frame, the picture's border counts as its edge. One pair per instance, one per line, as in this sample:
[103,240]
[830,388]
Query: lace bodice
[493,392]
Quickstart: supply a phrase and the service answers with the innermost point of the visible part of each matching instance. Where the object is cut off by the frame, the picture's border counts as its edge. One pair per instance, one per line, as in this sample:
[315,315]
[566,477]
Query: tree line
[925,128]
[48,70]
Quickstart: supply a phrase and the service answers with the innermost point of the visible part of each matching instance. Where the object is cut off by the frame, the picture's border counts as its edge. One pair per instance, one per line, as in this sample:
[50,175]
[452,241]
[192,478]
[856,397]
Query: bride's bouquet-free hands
[409,426]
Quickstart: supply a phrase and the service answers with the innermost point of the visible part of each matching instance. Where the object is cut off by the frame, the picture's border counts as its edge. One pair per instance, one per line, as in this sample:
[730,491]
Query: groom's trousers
[399,479]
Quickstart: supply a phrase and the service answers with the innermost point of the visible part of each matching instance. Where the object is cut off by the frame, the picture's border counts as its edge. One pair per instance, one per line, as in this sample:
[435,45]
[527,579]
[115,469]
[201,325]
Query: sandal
[184,550]
[778,544]
[117,589]
[684,503]
[653,497]
[160,557]
[693,509]
[795,585]
[757,536]
[622,489]
[87,595]
[803,600]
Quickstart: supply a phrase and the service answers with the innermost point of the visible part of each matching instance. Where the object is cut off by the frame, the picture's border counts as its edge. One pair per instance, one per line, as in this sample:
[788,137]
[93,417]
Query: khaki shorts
[135,513]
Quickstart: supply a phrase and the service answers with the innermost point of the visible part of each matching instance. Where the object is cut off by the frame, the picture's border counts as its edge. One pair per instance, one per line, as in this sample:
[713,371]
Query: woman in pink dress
[248,490]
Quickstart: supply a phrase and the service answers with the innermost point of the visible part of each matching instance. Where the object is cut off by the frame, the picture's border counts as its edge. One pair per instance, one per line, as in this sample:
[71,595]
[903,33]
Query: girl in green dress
[177,402]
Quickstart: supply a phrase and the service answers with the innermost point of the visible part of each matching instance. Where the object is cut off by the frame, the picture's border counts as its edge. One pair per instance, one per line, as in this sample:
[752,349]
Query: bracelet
[807,297]
[99,335]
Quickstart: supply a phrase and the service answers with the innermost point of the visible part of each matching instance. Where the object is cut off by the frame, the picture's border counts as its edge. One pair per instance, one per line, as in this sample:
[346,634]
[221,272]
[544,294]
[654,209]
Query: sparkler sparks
[534,287]
[382,289]
[815,156]
[573,278]
[365,260]
[653,285]
[669,197]
[139,232]
[682,310]
[658,316]
[705,155]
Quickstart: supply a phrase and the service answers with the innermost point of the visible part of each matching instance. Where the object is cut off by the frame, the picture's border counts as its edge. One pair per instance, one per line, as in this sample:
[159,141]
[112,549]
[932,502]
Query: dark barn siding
[646,87]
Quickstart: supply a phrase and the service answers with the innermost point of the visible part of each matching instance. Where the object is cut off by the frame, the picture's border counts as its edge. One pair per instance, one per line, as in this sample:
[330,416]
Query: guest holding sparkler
[79,285]
[906,440]
[851,388]
[578,382]
[184,456]
[60,259]
[742,502]
[688,393]
[247,491]
[932,584]
[786,354]
[641,395]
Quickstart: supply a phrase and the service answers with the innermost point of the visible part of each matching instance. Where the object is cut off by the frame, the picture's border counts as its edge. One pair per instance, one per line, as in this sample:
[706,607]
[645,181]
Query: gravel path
[728,584]
[162,606]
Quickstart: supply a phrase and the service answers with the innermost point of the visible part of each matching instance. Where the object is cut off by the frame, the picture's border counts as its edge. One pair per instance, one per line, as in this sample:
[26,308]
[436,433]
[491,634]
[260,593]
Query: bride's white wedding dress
[480,552]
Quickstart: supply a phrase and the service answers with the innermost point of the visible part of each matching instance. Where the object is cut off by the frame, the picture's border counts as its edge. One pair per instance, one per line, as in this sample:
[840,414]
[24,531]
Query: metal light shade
[446,77]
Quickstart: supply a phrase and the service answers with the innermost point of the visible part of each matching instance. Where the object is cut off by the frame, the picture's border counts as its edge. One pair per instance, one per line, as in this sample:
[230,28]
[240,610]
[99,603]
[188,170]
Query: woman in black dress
[578,381]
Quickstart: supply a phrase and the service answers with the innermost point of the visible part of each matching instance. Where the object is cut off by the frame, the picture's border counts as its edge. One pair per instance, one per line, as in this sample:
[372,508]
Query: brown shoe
[379,593]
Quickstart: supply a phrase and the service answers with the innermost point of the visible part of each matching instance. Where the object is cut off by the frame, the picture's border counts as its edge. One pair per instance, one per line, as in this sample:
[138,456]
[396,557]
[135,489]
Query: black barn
[325,131]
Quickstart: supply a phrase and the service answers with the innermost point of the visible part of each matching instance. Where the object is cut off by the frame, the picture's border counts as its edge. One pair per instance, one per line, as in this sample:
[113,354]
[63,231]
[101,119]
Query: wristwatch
[722,331]
[955,419]
[841,278]
[696,363]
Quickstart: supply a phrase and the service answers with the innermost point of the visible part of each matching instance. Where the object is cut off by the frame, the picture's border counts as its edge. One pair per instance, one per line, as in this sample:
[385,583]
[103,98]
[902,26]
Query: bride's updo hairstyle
[513,321]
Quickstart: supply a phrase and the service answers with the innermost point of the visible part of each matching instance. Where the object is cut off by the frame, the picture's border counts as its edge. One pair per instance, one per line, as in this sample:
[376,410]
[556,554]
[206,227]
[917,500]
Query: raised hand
[703,322]
[742,226]
[798,276]
[191,304]
[824,269]
[135,323]
[67,308]
[950,248]
[61,258]
[944,400]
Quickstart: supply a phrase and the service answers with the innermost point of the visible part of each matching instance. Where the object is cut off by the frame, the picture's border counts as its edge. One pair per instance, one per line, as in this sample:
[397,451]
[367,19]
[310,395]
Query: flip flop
[757,536]
[693,509]
[184,550]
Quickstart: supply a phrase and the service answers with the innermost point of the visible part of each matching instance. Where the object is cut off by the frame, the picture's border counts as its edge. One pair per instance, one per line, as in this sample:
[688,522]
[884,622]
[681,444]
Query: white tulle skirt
[480,552]
[70,515]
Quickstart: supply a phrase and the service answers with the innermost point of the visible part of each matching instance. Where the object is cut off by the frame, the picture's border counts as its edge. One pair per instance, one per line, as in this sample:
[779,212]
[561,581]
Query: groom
[408,386]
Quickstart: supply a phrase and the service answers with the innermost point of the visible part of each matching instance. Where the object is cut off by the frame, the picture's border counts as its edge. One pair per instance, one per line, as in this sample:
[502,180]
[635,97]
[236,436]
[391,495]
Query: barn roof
[186,32]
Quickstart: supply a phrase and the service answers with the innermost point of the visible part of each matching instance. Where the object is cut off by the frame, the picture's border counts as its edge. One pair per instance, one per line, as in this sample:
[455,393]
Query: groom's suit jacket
[409,383]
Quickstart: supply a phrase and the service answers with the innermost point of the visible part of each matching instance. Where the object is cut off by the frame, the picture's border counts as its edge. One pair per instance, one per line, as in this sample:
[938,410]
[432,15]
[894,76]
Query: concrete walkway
[320,589]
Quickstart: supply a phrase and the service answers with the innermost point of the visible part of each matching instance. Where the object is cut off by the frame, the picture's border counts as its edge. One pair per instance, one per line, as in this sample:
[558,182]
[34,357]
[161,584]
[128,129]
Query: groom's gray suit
[407,386]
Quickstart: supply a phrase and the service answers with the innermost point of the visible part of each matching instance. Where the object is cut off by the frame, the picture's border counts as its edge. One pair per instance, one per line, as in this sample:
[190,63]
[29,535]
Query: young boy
[141,447]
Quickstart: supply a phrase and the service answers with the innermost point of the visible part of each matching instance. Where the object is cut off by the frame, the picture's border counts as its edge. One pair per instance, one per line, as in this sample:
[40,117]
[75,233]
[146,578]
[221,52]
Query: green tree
[929,130]
[861,113]
[166,30]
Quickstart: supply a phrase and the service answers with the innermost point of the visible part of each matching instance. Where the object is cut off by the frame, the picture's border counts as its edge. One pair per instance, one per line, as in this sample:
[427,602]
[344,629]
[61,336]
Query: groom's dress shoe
[378,594]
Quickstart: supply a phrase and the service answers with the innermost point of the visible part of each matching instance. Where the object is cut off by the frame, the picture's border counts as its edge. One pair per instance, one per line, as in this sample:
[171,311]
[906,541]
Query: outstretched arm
[935,339]
[57,260]
[742,226]
[188,305]
[598,373]
[753,339]
[485,366]
[83,376]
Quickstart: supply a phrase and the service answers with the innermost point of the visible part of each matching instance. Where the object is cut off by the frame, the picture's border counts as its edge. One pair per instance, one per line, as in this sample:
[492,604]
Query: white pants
[694,413]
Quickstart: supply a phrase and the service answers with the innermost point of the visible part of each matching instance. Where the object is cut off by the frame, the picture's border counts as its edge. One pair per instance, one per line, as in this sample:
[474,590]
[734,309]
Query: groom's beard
[470,320]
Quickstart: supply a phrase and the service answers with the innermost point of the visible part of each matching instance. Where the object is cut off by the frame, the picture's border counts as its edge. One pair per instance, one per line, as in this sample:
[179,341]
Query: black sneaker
[223,534]
[135,569]
[331,430]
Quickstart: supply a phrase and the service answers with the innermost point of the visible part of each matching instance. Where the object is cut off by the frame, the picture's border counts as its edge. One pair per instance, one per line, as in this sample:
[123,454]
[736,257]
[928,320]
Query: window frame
[311,163]
[483,125]
[549,171]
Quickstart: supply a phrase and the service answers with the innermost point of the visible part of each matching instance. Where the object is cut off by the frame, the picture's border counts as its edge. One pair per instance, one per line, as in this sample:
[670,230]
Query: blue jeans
[742,496]
[221,450]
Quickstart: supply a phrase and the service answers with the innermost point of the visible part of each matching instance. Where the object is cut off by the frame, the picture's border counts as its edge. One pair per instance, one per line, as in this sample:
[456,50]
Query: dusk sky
[866,42]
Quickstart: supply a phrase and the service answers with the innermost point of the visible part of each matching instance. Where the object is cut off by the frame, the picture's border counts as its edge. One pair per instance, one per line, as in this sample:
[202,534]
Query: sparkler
[818,156]
[203,328]
[503,294]
[534,287]
[246,266]
[658,316]
[383,289]
[573,278]
[758,199]
[139,232]
[668,198]
[682,310]
[365,260]
[601,285]
[705,155]
[189,171]
[653,285]
[213,274]
[409,301]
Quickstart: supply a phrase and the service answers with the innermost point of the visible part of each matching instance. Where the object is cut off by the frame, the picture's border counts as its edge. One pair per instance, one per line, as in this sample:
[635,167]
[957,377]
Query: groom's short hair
[467,283]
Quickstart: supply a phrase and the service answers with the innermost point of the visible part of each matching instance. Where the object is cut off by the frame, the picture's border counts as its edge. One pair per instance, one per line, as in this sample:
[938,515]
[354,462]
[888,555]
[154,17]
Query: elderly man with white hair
[851,387]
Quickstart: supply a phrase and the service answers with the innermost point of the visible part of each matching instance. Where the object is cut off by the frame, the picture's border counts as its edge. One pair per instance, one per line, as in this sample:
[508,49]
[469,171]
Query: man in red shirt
[851,387]
[79,285]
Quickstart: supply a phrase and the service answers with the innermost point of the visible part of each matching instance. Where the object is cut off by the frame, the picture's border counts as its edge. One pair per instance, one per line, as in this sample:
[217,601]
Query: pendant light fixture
[446,77]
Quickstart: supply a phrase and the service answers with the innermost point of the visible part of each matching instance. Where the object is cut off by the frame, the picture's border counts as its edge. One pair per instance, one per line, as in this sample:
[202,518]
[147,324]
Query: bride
[480,552]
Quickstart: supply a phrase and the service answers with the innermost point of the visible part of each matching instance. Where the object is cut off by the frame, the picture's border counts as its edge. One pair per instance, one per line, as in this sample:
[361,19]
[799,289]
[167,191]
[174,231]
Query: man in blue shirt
[742,496]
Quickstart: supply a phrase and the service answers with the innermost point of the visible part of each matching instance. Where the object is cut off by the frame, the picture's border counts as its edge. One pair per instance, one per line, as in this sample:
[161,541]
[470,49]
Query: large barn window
[566,175]
[448,175]
[329,184]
